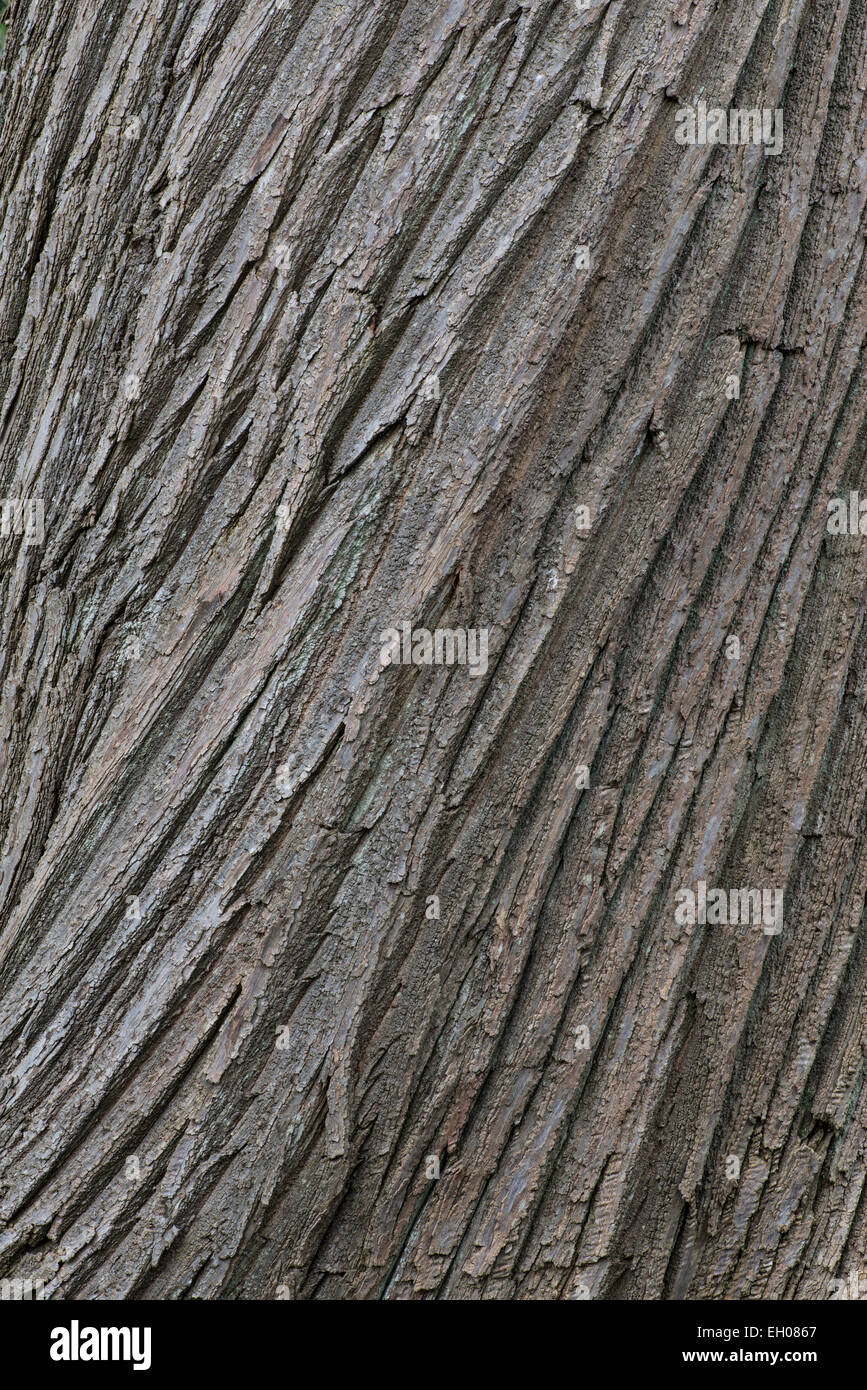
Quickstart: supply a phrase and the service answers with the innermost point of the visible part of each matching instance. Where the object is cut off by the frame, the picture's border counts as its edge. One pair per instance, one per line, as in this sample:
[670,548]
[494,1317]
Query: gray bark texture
[319,318]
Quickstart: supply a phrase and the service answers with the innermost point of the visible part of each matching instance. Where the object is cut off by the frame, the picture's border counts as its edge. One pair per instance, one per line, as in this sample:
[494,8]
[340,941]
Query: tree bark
[322,318]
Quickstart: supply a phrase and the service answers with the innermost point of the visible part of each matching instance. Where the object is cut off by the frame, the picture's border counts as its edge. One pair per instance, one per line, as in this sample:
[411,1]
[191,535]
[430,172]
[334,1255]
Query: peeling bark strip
[324,977]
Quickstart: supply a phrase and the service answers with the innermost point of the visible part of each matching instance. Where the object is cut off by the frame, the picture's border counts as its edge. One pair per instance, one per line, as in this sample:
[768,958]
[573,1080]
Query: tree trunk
[326,975]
